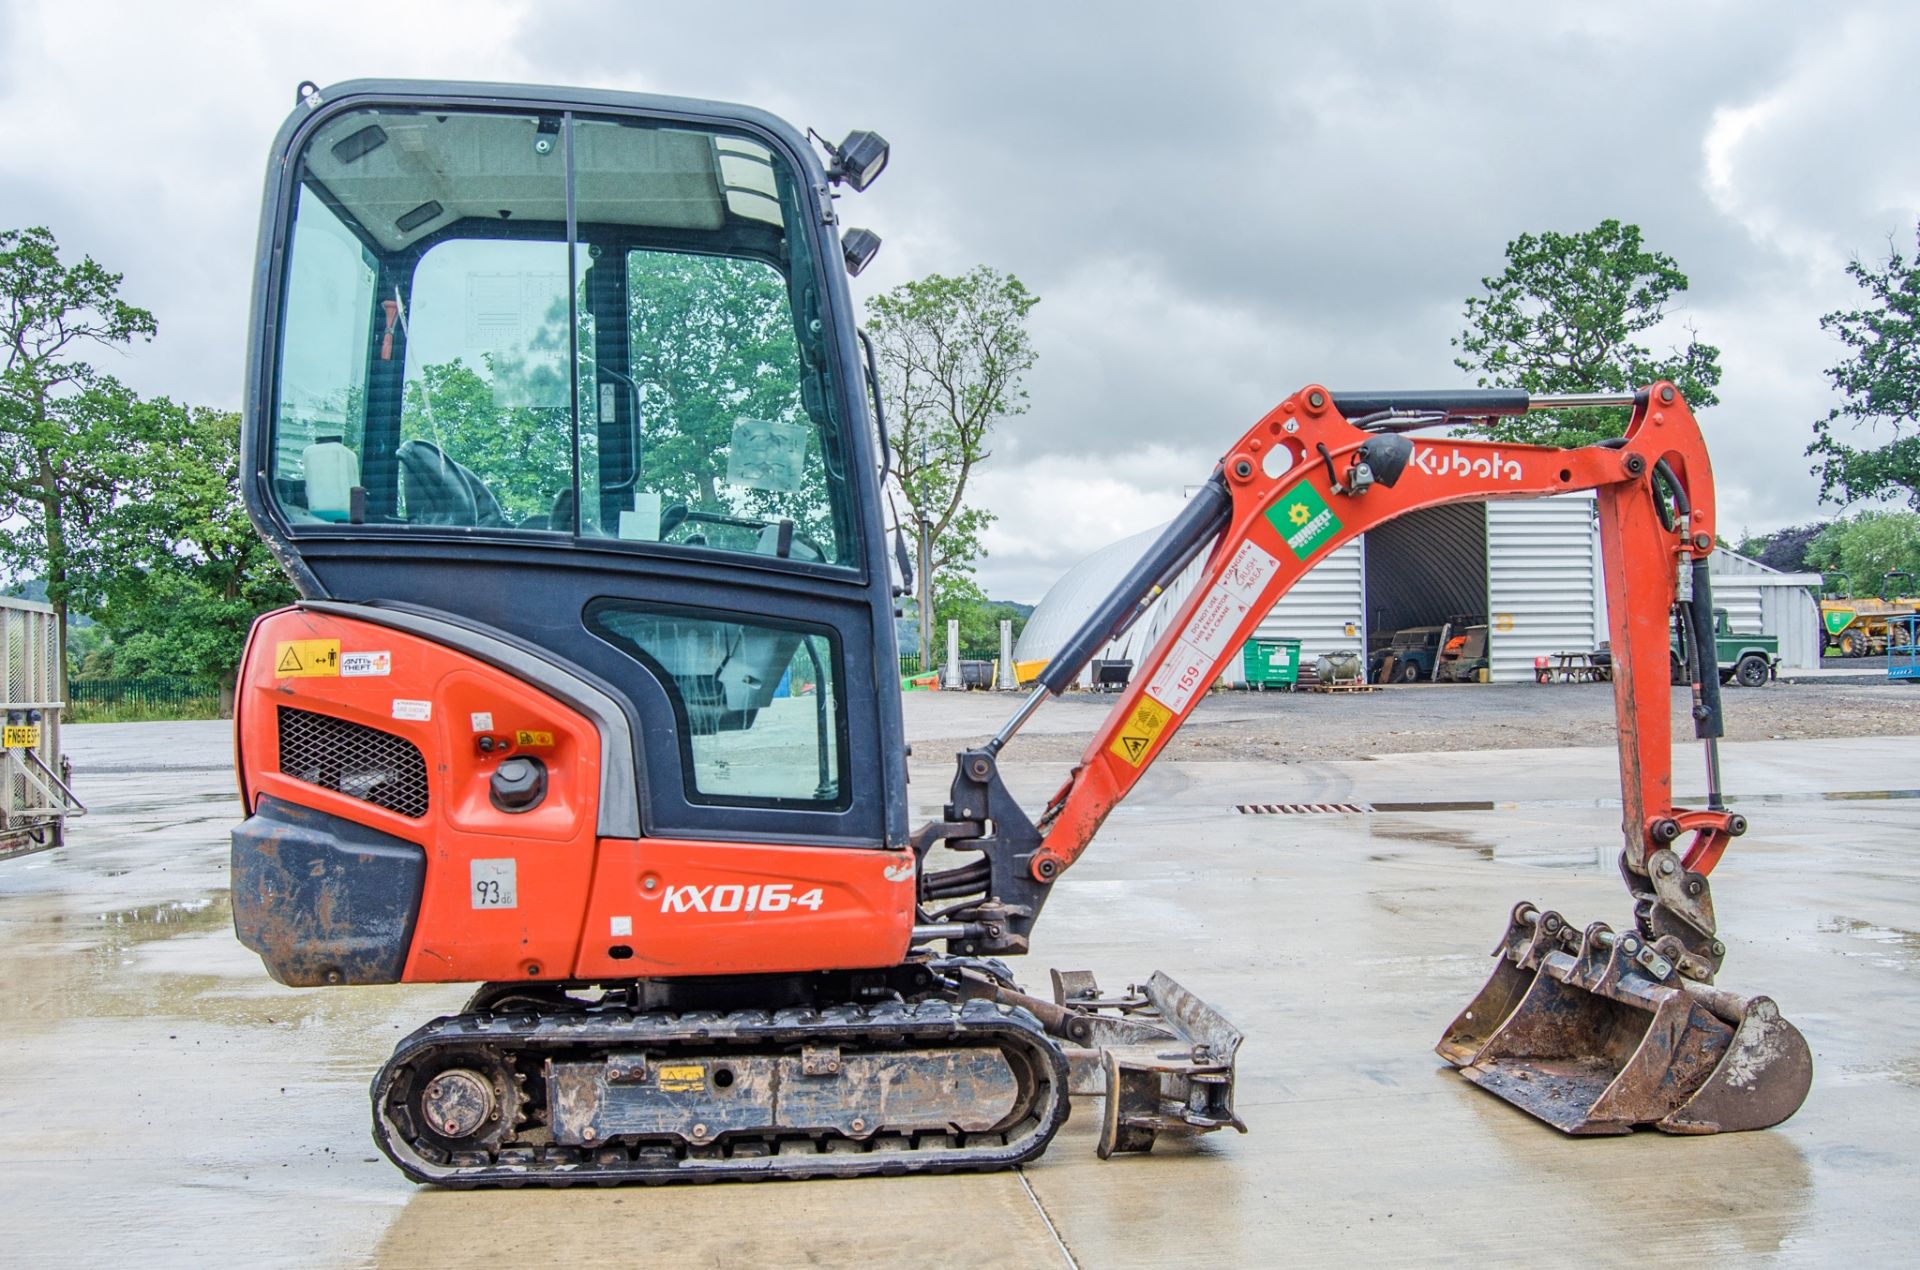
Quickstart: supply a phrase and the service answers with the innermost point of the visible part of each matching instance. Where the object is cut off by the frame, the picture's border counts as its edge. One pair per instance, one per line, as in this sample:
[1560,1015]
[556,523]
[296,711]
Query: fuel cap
[519,784]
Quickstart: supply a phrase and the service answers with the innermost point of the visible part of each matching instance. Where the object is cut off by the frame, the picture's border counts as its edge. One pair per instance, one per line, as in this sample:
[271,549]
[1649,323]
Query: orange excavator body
[628,752]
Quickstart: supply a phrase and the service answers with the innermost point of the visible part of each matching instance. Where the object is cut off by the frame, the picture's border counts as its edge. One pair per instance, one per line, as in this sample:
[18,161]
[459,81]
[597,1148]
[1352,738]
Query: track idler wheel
[458,1102]
[1599,1033]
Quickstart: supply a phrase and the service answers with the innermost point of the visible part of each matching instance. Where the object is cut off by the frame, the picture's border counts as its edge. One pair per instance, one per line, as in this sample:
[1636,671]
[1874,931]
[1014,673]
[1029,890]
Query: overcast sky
[1215,204]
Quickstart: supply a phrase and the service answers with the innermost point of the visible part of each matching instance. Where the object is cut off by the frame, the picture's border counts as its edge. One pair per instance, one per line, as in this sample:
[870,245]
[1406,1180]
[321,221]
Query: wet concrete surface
[167,1104]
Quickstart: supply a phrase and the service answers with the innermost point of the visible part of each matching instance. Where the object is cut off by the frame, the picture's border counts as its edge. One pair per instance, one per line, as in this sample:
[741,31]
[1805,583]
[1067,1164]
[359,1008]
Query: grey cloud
[1216,203]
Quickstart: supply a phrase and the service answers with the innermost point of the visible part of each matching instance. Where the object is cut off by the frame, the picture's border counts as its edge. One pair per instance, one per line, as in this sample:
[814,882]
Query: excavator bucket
[1597,1033]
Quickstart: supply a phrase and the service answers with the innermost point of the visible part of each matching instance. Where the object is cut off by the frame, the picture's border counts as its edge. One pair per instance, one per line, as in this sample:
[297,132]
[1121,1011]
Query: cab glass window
[760,716]
[525,323]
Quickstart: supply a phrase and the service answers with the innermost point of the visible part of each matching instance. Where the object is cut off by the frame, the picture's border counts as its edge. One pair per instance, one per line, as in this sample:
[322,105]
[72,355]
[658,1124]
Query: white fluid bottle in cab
[332,471]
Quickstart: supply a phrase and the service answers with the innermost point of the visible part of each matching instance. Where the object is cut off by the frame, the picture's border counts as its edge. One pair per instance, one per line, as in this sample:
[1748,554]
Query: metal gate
[34,795]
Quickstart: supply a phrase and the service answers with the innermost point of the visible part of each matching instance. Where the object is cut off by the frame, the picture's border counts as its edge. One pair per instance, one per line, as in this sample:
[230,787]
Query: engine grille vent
[353,759]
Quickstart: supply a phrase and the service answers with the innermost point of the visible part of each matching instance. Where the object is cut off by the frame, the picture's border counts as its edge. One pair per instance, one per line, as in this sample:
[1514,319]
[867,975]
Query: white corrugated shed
[1320,610]
[1760,600]
[1544,595]
[1542,582]
[1078,592]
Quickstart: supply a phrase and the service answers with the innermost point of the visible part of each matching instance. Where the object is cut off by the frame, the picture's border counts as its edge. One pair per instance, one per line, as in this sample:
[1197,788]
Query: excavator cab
[558,419]
[583,375]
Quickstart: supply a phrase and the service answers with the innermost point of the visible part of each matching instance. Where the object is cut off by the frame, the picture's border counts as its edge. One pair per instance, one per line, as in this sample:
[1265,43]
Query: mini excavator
[558,417]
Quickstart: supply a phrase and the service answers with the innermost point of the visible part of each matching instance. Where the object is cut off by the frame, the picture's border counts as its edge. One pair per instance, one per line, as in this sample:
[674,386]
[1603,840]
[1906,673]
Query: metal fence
[115,691]
[34,797]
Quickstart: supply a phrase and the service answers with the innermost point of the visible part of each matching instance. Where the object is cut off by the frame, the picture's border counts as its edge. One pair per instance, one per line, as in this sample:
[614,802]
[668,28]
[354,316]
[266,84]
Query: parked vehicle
[1865,626]
[1408,658]
[1464,657]
[1747,660]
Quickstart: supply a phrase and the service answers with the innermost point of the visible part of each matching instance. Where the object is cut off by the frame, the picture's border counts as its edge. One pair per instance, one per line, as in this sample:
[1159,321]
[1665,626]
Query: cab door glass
[323,373]
[727,450]
[761,721]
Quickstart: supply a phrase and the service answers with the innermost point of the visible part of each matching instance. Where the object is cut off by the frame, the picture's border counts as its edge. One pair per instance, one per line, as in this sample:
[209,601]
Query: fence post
[1009,676]
[953,678]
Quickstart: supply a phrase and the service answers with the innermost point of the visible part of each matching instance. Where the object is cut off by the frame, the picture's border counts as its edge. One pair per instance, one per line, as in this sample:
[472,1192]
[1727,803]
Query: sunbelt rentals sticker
[1304,520]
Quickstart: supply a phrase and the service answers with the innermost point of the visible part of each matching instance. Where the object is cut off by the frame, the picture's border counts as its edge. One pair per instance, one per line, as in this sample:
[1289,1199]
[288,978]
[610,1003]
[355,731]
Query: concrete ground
[164,1103]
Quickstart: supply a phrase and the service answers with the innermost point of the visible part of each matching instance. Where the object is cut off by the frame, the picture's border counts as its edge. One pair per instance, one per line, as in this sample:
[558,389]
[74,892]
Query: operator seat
[440,491]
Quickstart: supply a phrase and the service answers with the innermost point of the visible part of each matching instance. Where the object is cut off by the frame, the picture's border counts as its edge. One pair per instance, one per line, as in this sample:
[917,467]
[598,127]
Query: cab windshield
[555,325]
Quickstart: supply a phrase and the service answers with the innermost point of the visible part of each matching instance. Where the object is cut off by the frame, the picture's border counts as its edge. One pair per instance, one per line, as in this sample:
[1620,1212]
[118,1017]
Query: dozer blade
[1160,1056]
[1601,1034]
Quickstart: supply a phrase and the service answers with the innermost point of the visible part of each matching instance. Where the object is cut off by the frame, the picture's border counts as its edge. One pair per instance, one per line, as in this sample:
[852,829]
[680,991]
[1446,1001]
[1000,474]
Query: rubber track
[592,1032]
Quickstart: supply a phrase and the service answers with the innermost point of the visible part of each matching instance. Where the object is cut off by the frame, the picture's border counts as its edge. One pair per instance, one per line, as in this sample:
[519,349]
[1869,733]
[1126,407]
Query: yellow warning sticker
[524,737]
[1137,733]
[681,1079]
[306,658]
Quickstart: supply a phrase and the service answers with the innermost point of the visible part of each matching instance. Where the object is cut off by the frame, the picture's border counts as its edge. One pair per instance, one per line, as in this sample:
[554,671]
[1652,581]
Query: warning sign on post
[306,658]
[1137,733]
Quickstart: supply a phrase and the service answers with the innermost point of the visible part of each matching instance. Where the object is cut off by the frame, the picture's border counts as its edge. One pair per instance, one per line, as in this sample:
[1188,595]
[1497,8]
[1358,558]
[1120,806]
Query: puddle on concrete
[1350,807]
[1547,855]
[1893,948]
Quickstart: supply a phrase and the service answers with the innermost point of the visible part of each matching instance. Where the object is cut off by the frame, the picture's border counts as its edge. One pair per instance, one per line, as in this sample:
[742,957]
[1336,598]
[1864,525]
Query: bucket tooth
[1609,1036]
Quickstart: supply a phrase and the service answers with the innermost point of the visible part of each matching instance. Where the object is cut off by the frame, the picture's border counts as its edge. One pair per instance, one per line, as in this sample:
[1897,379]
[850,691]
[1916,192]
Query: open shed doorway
[1425,569]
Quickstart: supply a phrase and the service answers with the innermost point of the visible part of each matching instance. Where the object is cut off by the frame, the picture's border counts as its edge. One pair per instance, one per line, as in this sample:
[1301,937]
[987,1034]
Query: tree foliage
[191,574]
[1565,315]
[1865,547]
[1879,383]
[71,437]
[952,354]
[713,349]
[1783,549]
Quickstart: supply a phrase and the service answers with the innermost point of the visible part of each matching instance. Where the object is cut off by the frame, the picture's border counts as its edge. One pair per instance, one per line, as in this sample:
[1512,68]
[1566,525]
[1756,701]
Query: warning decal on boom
[1137,733]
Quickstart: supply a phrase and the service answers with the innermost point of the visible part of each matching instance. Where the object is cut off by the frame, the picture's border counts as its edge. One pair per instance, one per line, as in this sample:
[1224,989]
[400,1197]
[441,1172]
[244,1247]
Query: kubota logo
[772,897]
[1453,463]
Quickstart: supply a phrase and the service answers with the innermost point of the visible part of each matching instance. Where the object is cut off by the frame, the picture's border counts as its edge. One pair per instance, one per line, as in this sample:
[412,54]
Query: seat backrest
[439,491]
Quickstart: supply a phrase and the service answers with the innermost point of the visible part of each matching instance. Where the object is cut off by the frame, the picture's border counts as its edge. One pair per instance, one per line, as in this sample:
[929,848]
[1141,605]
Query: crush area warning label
[306,658]
[1137,733]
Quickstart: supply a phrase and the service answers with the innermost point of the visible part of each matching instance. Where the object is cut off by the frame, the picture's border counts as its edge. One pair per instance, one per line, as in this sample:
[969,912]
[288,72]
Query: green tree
[1783,549]
[191,573]
[71,438]
[1865,547]
[1563,317]
[1880,383]
[713,345]
[952,353]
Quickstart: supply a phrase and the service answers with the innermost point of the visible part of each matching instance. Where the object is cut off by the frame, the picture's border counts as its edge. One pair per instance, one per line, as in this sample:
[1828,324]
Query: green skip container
[1271,663]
